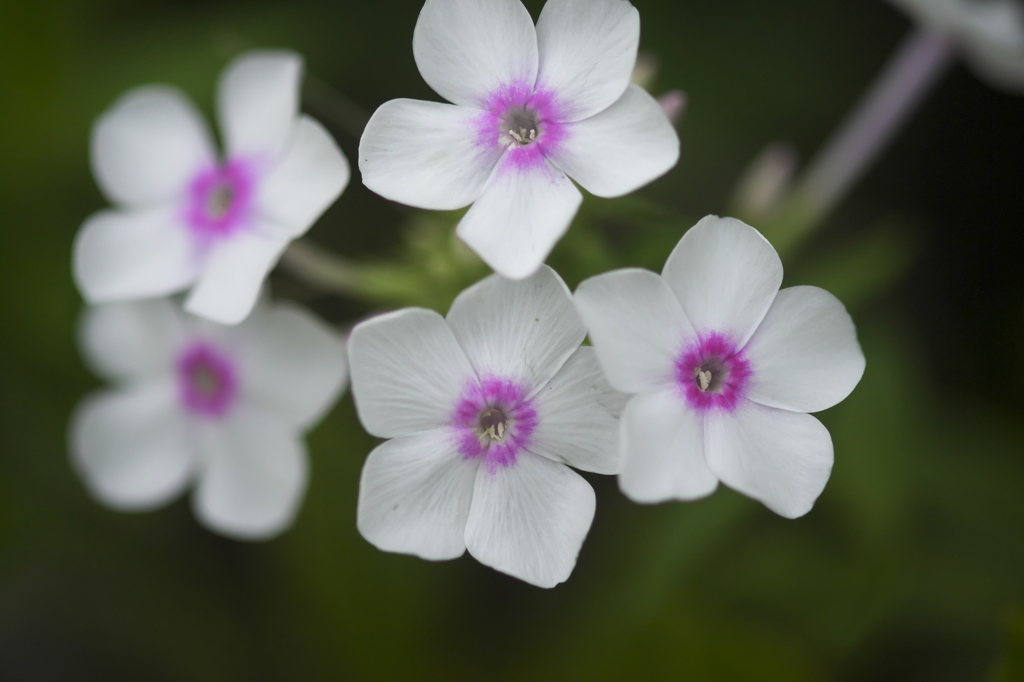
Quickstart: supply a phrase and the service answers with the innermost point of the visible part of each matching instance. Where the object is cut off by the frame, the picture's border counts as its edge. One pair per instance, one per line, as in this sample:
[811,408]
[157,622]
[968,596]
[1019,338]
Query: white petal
[132,339]
[781,458]
[131,447]
[620,149]
[726,276]
[306,182]
[133,254]
[408,372]
[426,154]
[258,101]
[254,475]
[663,444]
[587,52]
[293,364]
[466,49]
[805,353]
[519,217]
[414,496]
[232,275]
[148,146]
[579,417]
[519,330]
[636,325]
[529,520]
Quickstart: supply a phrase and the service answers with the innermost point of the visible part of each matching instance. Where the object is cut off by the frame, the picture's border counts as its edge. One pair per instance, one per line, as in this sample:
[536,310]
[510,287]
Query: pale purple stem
[907,77]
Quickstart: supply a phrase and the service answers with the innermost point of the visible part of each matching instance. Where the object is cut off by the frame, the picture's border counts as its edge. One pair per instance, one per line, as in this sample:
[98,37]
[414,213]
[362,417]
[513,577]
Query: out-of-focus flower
[673,104]
[185,217]
[224,407]
[532,108]
[725,367]
[990,34]
[766,181]
[484,409]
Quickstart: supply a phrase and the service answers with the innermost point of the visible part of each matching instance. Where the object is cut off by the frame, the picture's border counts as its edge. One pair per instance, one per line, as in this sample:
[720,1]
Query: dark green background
[910,567]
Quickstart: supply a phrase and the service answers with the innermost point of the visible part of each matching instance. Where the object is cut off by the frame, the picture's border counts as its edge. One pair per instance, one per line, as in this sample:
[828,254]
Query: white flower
[989,32]
[531,107]
[725,367]
[185,217]
[224,407]
[484,410]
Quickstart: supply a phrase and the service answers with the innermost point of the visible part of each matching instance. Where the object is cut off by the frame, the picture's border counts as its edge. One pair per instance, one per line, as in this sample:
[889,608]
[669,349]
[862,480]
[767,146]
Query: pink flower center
[220,199]
[207,380]
[712,374]
[524,121]
[494,421]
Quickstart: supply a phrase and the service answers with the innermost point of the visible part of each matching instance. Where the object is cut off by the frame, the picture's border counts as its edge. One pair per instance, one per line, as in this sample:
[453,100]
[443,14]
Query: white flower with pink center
[725,368]
[186,218]
[532,107]
[485,409]
[223,407]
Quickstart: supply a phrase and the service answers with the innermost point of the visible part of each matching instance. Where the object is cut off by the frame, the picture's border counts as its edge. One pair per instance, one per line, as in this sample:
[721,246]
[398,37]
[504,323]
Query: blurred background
[911,565]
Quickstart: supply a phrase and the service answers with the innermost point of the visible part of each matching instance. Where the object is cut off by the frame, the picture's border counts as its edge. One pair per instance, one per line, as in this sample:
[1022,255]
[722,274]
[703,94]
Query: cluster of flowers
[703,374]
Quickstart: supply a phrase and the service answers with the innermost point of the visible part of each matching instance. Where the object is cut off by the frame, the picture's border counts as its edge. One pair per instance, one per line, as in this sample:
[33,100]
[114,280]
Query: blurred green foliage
[909,568]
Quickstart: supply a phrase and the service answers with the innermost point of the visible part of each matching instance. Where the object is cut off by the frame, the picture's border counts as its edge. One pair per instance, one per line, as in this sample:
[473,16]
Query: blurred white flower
[990,34]
[185,217]
[193,401]
[725,367]
[484,410]
[532,108]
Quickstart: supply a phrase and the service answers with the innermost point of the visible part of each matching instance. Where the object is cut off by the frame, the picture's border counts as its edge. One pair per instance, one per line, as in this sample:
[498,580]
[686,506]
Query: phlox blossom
[186,218]
[197,402]
[531,108]
[484,409]
[724,367]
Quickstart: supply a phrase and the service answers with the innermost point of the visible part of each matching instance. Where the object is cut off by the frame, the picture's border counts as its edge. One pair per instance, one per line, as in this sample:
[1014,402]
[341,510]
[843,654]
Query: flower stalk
[863,135]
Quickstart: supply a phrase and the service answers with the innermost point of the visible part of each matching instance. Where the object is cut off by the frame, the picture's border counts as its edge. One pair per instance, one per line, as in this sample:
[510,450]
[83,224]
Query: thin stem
[919,61]
[320,268]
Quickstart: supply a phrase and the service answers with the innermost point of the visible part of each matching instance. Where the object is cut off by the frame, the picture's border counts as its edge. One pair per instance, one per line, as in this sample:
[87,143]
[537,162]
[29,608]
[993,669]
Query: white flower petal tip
[148,145]
[536,542]
[664,451]
[258,101]
[588,52]
[467,49]
[484,408]
[519,218]
[725,367]
[255,475]
[222,406]
[187,217]
[622,148]
[534,108]
[779,457]
[394,152]
[143,253]
[311,176]
[130,448]
[232,277]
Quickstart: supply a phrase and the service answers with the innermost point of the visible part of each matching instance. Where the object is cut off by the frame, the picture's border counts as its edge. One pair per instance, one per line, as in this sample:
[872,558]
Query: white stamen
[704,378]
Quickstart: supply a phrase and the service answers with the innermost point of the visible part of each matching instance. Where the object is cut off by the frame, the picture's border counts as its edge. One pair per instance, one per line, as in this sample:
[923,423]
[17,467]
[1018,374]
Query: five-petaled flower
[484,410]
[186,217]
[197,401]
[725,368]
[532,107]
